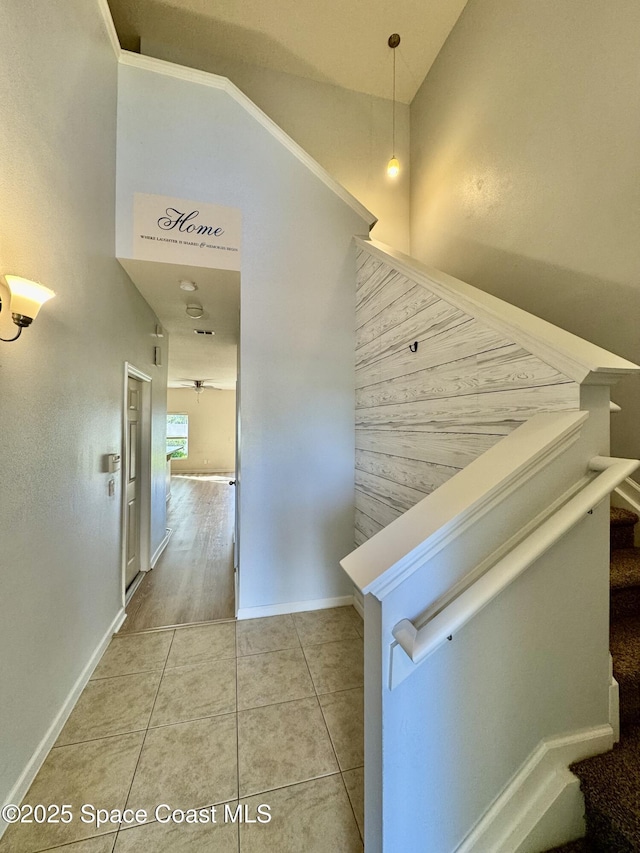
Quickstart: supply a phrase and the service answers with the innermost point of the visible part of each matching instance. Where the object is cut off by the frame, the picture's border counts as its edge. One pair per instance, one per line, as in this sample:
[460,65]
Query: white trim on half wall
[294,607]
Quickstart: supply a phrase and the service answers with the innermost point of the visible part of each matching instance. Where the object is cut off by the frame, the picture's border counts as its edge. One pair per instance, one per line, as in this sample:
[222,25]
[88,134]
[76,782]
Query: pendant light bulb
[393,168]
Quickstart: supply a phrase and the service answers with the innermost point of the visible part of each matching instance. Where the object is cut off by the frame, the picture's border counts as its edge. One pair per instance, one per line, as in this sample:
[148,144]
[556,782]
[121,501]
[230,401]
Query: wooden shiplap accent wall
[421,417]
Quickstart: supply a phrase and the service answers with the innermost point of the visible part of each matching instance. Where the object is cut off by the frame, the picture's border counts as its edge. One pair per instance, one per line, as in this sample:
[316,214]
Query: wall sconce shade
[27,297]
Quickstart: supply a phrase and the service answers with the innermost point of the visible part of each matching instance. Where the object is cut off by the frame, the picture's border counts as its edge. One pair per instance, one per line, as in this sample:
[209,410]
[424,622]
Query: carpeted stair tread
[624,642]
[620,517]
[612,793]
[625,602]
[625,568]
[621,528]
[611,782]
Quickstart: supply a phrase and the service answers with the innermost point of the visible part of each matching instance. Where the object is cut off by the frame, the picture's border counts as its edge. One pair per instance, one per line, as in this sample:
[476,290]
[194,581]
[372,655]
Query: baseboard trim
[293,607]
[158,552]
[19,790]
[528,802]
[133,588]
[218,472]
[358,601]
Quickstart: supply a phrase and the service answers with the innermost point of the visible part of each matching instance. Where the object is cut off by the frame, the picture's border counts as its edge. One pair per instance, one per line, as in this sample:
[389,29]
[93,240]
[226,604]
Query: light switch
[112,487]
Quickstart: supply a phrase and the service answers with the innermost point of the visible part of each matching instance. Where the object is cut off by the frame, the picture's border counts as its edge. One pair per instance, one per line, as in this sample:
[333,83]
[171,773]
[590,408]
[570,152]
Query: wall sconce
[27,297]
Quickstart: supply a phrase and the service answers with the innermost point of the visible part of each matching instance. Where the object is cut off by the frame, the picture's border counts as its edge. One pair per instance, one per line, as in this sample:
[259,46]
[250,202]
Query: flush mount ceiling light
[187,285]
[27,297]
[195,311]
[393,166]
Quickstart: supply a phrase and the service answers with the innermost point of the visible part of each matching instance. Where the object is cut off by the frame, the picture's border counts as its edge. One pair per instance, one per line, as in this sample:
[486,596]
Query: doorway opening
[194,579]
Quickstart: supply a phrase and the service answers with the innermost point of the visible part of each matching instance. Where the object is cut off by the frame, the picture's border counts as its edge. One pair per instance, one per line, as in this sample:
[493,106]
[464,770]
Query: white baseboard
[36,761]
[563,819]
[293,607]
[358,601]
[157,553]
[220,472]
[542,806]
[133,587]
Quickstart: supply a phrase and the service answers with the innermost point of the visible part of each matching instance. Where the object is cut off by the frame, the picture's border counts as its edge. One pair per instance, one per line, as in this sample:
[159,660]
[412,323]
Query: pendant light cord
[393,167]
[393,146]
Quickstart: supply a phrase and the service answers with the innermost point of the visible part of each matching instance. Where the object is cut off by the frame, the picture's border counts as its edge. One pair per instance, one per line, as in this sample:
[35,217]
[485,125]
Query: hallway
[193,579]
[262,712]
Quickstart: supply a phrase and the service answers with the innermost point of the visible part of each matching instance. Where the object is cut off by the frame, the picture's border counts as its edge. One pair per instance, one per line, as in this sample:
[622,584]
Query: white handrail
[419,643]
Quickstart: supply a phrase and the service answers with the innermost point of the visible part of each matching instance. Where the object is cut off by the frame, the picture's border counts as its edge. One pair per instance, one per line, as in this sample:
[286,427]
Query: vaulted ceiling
[343,43]
[332,41]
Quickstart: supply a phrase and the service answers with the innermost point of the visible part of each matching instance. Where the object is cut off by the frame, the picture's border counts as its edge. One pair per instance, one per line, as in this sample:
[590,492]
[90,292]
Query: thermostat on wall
[113,462]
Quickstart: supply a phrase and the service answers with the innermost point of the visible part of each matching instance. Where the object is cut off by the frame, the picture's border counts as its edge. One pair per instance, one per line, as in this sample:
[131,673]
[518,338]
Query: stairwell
[611,782]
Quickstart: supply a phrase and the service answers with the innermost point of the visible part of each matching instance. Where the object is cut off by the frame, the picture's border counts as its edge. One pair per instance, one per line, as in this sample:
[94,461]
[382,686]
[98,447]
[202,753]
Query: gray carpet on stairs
[625,649]
[625,583]
[611,782]
[611,787]
[622,524]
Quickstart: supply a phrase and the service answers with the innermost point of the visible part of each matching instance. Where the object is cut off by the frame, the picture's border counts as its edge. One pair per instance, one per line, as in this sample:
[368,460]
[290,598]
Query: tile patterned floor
[266,711]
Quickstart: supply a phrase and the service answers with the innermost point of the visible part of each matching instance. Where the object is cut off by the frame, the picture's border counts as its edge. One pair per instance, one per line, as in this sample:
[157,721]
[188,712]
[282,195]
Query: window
[178,435]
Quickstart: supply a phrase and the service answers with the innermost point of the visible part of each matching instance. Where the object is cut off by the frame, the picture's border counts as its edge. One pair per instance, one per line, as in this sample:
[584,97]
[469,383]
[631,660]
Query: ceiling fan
[198,385]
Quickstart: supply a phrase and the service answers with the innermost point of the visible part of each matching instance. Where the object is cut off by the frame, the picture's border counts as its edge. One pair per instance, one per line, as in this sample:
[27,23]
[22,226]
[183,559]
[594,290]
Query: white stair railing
[421,642]
[509,559]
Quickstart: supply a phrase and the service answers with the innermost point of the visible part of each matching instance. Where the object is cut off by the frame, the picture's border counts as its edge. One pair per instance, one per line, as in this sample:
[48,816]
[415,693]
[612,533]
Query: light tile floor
[261,712]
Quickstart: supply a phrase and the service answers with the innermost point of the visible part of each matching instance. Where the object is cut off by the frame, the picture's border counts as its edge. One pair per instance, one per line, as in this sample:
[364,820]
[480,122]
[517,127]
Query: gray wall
[347,132]
[525,170]
[297,333]
[61,384]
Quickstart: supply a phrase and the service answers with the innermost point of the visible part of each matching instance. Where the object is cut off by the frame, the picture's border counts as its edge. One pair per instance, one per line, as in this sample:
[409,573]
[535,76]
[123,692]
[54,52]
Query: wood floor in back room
[193,579]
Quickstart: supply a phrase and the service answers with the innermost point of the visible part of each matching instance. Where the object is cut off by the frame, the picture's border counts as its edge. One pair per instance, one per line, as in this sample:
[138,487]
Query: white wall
[531,665]
[61,384]
[212,429]
[525,170]
[347,132]
[189,140]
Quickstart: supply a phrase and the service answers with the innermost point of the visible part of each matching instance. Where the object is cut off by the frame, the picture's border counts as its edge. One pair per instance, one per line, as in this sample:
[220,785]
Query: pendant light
[393,166]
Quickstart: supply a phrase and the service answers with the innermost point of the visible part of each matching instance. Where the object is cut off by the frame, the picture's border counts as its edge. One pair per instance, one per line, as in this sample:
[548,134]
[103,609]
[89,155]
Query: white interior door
[132,479]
